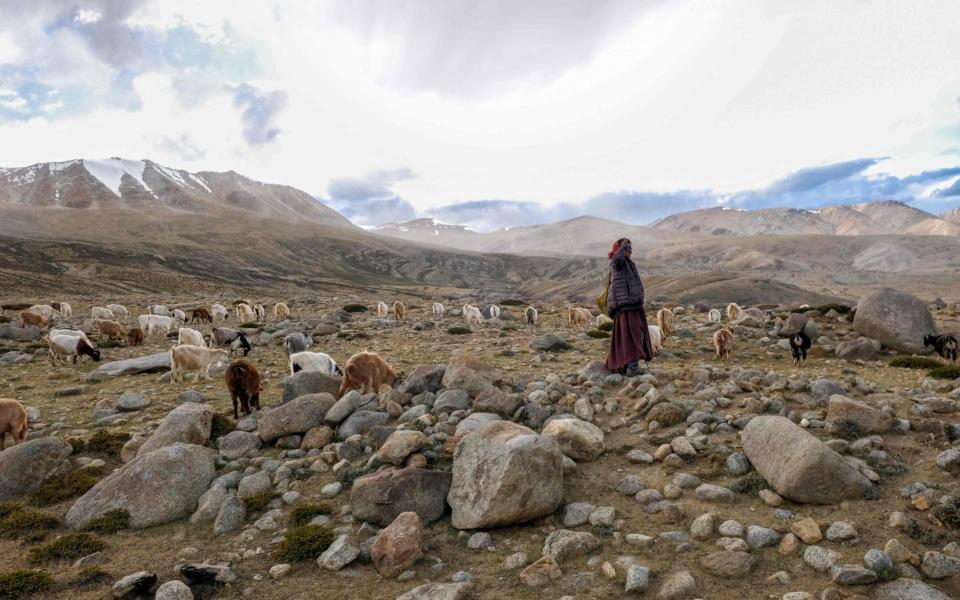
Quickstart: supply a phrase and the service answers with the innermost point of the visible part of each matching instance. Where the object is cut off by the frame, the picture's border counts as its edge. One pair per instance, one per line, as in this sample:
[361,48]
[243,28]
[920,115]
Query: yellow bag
[602,298]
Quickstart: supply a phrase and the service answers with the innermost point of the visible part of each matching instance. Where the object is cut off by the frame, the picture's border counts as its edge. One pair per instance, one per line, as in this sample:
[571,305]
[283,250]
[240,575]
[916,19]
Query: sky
[500,113]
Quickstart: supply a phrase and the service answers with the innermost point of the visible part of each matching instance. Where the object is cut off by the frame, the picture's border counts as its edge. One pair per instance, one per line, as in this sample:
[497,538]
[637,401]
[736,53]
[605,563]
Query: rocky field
[508,463]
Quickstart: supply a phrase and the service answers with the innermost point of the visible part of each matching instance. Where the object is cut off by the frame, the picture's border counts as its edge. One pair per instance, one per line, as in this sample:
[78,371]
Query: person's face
[627,248]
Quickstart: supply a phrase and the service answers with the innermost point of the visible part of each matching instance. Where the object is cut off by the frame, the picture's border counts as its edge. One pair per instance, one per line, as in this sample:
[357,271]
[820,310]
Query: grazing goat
[723,343]
[70,332]
[63,347]
[111,329]
[219,311]
[714,316]
[245,313]
[260,312]
[191,337]
[382,310]
[135,337]
[438,310]
[733,312]
[656,338]
[13,420]
[399,309]
[281,311]
[494,311]
[665,318]
[101,313]
[65,310]
[578,317]
[151,323]
[314,361]
[799,346]
[243,381]
[187,358]
[945,345]
[223,336]
[44,310]
[30,318]
[472,313]
[158,309]
[119,311]
[296,342]
[201,315]
[179,315]
[530,316]
[366,372]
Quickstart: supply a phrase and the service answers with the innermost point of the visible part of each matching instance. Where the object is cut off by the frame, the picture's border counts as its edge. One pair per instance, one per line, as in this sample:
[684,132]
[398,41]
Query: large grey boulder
[25,466]
[908,589]
[380,497]
[503,474]
[426,378]
[10,331]
[895,319]
[187,423]
[862,348]
[155,488]
[237,444]
[361,422]
[134,366]
[297,416]
[797,465]
[309,382]
[842,411]
[578,439]
[470,374]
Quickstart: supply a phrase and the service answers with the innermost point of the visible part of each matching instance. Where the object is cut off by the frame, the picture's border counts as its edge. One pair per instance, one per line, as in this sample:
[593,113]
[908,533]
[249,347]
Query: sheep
[65,310]
[382,309]
[158,309]
[260,312]
[530,316]
[186,358]
[438,310]
[733,312]
[494,311]
[656,338]
[296,342]
[281,311]
[151,323]
[179,315]
[723,343]
[245,313]
[578,316]
[243,381]
[665,318]
[314,361]
[223,336]
[219,311]
[472,313]
[200,315]
[111,329]
[945,345]
[44,310]
[102,313]
[366,372]
[799,346]
[63,347]
[714,316]
[135,337]
[399,309]
[30,318]
[13,420]
[119,311]
[190,337]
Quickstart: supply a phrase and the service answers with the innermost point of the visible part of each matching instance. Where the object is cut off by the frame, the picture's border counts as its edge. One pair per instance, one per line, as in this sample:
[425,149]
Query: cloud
[371,200]
[259,113]
[814,177]
[951,190]
[181,146]
[646,207]
[487,215]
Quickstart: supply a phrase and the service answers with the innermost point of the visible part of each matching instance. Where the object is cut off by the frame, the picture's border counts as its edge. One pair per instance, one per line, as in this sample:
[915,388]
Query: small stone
[480,541]
[702,527]
[937,565]
[819,558]
[761,537]
[603,516]
[516,560]
[638,578]
[840,531]
[731,528]
[278,571]
[577,513]
[878,561]
[770,498]
[807,530]
[852,575]
[343,551]
[173,590]
[677,586]
[629,485]
[788,545]
[541,573]
[715,493]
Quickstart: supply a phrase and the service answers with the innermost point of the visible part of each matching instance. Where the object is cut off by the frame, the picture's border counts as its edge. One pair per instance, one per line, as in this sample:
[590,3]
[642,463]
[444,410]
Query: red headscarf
[614,248]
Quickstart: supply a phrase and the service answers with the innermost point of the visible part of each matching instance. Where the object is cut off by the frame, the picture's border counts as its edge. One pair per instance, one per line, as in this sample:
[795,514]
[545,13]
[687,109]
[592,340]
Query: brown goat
[366,372]
[13,420]
[723,343]
[243,381]
[29,318]
[201,315]
[111,329]
[135,337]
[399,309]
[665,318]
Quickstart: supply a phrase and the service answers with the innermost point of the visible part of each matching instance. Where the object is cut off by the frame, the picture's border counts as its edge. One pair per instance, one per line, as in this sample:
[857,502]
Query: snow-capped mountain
[144,184]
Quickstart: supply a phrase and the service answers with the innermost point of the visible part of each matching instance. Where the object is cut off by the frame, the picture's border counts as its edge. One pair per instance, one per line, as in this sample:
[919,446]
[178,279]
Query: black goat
[799,346]
[945,345]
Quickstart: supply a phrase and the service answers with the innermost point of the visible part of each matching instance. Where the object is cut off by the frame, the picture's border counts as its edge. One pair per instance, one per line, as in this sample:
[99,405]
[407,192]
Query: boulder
[237,444]
[797,465]
[862,348]
[475,421]
[151,363]
[468,373]
[398,546]
[361,422]
[382,496]
[577,439]
[728,564]
[908,589]
[401,444]
[451,400]
[13,332]
[549,343]
[865,418]
[155,488]
[895,319]
[426,378]
[131,401]
[296,416]
[503,474]
[309,382]
[562,544]
[495,400]
[794,324]
[438,591]
[25,466]
[187,423]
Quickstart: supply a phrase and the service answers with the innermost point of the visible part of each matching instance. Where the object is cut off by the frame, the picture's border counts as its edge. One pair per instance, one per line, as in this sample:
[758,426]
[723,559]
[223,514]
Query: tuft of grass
[305,542]
[221,426]
[69,547]
[260,501]
[606,326]
[25,522]
[111,521]
[355,308]
[944,372]
[8,507]
[459,330]
[949,511]
[750,484]
[845,430]
[92,576]
[63,487]
[103,441]
[914,362]
[512,302]
[598,334]
[927,537]
[23,583]
[303,513]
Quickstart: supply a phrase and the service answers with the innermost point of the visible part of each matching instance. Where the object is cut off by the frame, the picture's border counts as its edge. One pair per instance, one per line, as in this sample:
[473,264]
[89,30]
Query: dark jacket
[626,289]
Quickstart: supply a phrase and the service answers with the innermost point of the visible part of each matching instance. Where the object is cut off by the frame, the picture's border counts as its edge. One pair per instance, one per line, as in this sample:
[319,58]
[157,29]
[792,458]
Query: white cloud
[87,16]
[15,102]
[9,50]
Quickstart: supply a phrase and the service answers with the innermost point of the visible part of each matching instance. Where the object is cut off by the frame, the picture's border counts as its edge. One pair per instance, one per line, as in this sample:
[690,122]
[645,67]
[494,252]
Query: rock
[841,532]
[807,530]
[481,540]
[10,331]
[495,400]
[468,373]
[130,401]
[451,400]
[475,421]
[715,493]
[280,570]
[254,484]
[401,444]
[298,415]
[842,410]
[317,437]
[237,444]
[629,485]
[173,590]
[761,537]
[793,325]
[797,465]
[819,558]
[666,414]
[895,319]
[949,460]
[738,464]
[541,573]
[382,496]
[503,474]
[305,383]
[824,388]
[361,422]
[155,488]
[878,561]
[703,526]
[677,586]
[134,584]
[398,545]
[937,565]
[549,343]
[862,348]
[563,544]
[577,439]
[426,378]
[638,579]
[343,551]
[344,407]
[852,575]
[25,466]
[438,591]
[731,528]
[187,423]
[728,564]
[205,574]
[190,396]
[577,513]
[231,516]
[908,589]
[134,366]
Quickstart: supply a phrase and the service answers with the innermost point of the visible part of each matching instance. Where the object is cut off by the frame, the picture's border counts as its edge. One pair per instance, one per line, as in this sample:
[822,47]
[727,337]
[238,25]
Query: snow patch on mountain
[111,171]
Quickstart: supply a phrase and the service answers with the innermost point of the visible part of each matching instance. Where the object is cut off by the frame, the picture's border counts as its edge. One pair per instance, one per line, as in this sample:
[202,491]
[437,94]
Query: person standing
[630,339]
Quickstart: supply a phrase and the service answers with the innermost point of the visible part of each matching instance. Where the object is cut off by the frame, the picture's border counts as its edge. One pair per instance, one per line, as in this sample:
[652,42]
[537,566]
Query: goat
[399,309]
[179,315]
[472,313]
[186,358]
[245,313]
[223,336]
[119,311]
[366,372]
[135,337]
[578,316]
[69,332]
[281,311]
[799,346]
[65,310]
[158,309]
[151,323]
[314,361]
[44,310]
[733,312]
[382,309]
[656,338]
[665,318]
[219,311]
[296,342]
[243,381]
[111,329]
[63,347]
[201,315]
[13,420]
[530,315]
[494,311]
[101,313]
[714,316]
[723,343]
[30,318]
[438,310]
[191,337]
[260,312]
[944,344]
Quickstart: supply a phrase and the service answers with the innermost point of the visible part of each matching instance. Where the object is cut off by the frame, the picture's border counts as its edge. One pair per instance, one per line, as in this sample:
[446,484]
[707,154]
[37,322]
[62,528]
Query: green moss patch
[750,484]
[260,501]
[945,372]
[355,308]
[304,512]
[459,330]
[91,577]
[914,362]
[221,426]
[306,542]
[111,521]
[24,583]
[69,547]
[606,326]
[598,334]
[27,523]
[63,487]
[103,441]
